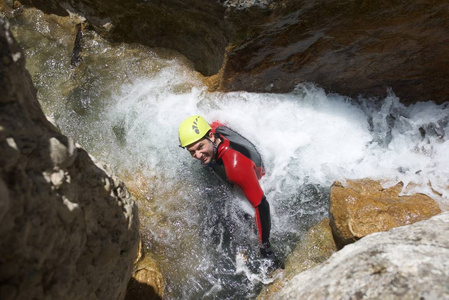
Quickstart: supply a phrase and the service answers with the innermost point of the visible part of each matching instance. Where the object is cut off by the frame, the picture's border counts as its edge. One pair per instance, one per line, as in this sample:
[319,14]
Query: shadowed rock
[68,227]
[195,28]
[348,47]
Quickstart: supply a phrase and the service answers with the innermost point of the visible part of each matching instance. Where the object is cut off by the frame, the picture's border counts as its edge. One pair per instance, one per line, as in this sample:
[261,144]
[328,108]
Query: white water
[125,105]
[304,137]
[308,140]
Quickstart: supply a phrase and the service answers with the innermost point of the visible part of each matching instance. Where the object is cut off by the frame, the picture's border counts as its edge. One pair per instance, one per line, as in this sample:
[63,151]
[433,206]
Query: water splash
[125,102]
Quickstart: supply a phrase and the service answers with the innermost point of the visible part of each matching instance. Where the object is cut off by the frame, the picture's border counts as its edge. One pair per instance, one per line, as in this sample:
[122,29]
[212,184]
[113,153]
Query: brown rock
[349,47]
[195,28]
[316,247]
[362,207]
[147,281]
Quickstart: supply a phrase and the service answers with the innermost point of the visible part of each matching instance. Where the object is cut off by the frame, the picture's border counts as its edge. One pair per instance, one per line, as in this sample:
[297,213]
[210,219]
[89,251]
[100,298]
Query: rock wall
[69,229]
[195,28]
[348,47]
[408,262]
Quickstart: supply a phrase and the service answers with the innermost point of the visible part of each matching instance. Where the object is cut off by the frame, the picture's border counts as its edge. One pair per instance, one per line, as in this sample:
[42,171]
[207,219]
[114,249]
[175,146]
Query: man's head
[196,136]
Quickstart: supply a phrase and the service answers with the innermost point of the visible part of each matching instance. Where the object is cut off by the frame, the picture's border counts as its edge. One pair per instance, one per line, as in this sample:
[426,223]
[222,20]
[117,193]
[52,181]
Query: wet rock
[147,281]
[408,262]
[77,47]
[316,247]
[361,207]
[195,28]
[61,236]
[348,47]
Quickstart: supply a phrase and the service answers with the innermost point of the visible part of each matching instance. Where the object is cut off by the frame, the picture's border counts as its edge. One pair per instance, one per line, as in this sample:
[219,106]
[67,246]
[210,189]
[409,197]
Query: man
[234,159]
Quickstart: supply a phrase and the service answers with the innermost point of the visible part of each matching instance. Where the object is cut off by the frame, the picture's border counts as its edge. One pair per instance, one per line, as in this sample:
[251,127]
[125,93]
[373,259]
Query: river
[124,103]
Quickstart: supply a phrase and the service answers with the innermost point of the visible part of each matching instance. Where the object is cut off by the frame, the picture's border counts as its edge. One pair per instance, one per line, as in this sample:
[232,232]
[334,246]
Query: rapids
[124,104]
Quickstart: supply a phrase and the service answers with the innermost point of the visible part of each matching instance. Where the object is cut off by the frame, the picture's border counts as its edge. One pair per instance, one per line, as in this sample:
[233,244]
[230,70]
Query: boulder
[361,207]
[316,247]
[68,226]
[408,262]
[348,47]
[195,28]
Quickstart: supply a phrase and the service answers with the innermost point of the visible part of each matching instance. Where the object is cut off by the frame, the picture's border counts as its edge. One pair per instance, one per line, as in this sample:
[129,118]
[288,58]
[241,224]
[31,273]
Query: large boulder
[195,28]
[408,262]
[349,47]
[361,207]
[68,226]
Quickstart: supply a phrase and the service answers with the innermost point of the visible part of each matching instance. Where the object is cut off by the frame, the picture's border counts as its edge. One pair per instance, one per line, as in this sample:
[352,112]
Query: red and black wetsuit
[238,162]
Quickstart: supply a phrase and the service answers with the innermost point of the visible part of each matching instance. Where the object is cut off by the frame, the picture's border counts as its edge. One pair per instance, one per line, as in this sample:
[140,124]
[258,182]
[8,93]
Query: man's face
[202,150]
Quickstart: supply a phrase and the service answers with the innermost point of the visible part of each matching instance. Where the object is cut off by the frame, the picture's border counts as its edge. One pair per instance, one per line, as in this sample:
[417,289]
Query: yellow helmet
[192,129]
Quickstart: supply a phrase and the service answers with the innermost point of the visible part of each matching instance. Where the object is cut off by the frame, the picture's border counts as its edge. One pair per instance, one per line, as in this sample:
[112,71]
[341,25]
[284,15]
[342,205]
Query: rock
[316,247]
[147,281]
[64,235]
[362,207]
[347,47]
[195,28]
[408,262]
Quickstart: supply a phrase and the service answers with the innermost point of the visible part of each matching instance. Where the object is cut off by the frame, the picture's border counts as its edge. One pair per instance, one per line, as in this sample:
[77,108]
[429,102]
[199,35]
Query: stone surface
[147,281]
[316,247]
[195,28]
[68,226]
[408,262]
[348,47]
[362,207]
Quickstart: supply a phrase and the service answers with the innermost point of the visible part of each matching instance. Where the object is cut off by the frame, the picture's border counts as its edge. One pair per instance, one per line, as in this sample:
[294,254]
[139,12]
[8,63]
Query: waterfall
[124,104]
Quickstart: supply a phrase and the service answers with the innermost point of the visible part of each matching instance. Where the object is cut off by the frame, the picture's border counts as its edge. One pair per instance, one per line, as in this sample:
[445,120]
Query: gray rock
[409,262]
[68,228]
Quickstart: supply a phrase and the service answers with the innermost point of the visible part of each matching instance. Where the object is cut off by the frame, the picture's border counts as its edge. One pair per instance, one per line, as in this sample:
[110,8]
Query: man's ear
[211,136]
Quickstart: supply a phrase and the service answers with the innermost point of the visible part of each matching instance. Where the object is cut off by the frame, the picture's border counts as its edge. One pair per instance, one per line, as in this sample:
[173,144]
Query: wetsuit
[238,162]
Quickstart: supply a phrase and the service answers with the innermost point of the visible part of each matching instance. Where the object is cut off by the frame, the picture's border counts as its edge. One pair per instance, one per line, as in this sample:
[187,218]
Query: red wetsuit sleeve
[214,126]
[241,171]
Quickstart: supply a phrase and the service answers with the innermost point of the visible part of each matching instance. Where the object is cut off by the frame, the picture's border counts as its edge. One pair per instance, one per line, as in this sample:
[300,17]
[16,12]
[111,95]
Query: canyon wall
[68,226]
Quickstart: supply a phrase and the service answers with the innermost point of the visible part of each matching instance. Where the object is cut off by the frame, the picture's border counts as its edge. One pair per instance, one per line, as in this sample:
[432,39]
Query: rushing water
[125,102]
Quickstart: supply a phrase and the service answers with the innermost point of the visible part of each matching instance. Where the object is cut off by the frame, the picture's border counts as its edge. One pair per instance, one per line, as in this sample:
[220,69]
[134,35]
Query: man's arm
[241,171]
[263,221]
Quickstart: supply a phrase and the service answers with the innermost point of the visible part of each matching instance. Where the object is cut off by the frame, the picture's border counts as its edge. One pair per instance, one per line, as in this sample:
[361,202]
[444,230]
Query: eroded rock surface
[348,47]
[361,207]
[195,28]
[316,247]
[408,262]
[68,227]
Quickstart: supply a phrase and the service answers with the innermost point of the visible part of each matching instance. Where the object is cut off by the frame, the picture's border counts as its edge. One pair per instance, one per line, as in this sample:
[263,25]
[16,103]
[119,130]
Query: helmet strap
[213,161]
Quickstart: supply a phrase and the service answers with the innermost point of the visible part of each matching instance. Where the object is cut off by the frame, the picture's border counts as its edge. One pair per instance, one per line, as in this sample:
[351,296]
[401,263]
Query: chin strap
[213,161]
